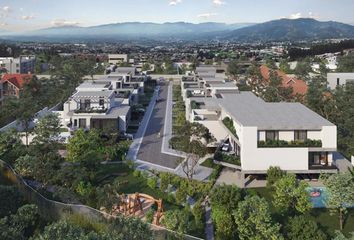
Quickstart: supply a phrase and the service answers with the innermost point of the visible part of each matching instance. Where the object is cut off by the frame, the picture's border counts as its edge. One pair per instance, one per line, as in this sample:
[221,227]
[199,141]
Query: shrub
[152,182]
[164,181]
[273,175]
[136,173]
[181,196]
[149,216]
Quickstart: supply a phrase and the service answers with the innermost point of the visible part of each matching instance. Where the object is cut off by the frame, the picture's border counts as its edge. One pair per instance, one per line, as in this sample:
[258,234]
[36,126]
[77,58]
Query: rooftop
[93,94]
[250,110]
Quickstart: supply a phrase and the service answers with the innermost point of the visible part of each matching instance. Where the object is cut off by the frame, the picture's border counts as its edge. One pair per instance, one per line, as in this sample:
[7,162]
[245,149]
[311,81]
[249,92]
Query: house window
[82,123]
[101,102]
[272,135]
[85,104]
[300,135]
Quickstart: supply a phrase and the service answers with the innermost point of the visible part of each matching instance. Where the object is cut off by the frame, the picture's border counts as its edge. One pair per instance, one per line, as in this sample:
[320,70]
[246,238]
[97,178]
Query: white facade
[21,65]
[339,79]
[115,59]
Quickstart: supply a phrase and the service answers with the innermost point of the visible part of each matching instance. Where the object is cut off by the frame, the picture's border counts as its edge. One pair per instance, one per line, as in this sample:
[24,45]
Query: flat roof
[93,94]
[114,113]
[249,110]
[95,84]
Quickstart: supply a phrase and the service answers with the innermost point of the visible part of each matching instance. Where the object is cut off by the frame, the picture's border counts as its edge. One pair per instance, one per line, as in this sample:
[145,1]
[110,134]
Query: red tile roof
[17,79]
[299,86]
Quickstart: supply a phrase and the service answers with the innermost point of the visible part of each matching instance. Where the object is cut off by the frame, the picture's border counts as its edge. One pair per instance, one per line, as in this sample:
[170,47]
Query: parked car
[225,147]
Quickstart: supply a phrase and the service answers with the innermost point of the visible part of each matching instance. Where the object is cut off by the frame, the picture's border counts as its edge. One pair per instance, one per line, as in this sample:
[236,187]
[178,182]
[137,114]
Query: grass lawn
[329,223]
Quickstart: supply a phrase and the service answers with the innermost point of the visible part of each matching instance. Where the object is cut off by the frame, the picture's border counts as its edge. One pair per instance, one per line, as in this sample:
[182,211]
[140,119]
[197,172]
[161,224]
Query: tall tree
[340,188]
[302,228]
[47,129]
[290,195]
[254,221]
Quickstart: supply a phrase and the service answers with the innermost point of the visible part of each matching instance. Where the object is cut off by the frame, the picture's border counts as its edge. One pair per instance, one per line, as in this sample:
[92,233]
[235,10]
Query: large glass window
[300,135]
[272,135]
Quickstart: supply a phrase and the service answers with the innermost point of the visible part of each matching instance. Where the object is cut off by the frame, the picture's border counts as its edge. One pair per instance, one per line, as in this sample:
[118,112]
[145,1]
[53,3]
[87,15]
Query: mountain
[292,30]
[137,29]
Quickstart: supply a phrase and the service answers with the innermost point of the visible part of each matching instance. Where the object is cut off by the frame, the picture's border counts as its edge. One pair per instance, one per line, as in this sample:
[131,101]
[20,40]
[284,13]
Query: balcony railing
[91,110]
[290,144]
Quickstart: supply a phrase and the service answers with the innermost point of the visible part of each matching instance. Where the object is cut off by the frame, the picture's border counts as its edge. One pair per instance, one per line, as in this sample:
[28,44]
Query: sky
[25,15]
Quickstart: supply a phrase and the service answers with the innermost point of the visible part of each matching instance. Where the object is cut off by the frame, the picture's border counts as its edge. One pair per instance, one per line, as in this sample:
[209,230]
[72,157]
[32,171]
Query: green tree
[254,221]
[10,200]
[275,92]
[47,129]
[303,69]
[290,195]
[273,175]
[177,220]
[346,64]
[340,236]
[233,69]
[227,196]
[302,228]
[82,143]
[198,212]
[20,225]
[224,223]
[340,188]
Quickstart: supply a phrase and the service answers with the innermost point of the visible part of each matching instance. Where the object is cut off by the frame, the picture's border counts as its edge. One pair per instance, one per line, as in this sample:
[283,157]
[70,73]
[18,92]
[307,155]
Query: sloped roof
[17,79]
[299,86]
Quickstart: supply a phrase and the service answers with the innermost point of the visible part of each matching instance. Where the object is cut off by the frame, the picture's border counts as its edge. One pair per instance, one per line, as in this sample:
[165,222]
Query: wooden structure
[131,204]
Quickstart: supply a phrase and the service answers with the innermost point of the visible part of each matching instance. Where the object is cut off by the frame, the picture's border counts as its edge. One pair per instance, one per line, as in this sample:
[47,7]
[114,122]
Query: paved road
[150,148]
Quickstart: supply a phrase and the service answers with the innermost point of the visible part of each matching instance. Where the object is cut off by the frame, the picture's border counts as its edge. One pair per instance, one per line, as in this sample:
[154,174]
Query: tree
[290,195]
[47,129]
[198,212]
[302,228]
[340,188]
[20,225]
[177,220]
[273,175]
[275,92]
[233,69]
[10,200]
[346,64]
[42,168]
[303,68]
[340,236]
[254,221]
[225,199]
[81,143]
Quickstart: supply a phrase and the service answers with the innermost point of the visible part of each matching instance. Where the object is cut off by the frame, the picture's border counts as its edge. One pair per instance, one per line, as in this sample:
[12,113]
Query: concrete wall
[329,136]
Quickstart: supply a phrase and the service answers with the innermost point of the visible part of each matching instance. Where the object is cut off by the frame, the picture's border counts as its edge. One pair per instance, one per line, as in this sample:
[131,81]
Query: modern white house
[96,109]
[262,134]
[105,102]
[339,79]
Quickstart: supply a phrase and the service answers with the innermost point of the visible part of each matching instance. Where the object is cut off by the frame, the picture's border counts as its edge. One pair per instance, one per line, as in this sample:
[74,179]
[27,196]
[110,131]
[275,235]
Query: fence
[54,211]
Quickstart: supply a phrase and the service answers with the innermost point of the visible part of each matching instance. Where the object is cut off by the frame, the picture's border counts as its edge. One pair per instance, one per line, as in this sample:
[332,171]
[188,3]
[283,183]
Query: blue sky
[20,15]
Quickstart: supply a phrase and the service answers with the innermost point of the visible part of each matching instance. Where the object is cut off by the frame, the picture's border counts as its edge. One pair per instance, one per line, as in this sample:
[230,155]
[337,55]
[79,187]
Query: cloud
[207,15]
[218,2]
[6,9]
[63,23]
[27,17]
[174,2]
[295,15]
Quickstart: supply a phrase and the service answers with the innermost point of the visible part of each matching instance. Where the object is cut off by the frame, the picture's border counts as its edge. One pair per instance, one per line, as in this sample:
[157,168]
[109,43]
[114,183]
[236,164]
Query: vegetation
[282,143]
[230,125]
[228,158]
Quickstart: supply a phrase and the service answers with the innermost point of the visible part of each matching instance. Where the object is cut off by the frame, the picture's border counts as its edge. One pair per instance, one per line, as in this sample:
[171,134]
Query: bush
[149,216]
[136,173]
[164,181]
[273,175]
[152,182]
[181,196]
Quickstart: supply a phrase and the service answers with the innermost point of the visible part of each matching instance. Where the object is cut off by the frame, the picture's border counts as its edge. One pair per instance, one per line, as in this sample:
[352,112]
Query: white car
[225,147]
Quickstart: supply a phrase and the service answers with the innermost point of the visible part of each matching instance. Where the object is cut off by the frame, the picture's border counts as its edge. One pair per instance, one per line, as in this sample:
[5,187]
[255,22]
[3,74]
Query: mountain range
[277,30]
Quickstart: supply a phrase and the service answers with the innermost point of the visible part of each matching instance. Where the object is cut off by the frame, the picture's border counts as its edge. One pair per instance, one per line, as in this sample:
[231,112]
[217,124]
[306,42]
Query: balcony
[290,144]
[91,110]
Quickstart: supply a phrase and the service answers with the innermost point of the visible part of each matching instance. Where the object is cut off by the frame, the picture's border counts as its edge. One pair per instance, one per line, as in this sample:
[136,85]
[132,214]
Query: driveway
[150,148]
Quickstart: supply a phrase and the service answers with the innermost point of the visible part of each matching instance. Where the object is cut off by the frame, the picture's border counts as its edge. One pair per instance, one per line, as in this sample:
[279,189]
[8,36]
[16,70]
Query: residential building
[12,84]
[105,102]
[262,134]
[299,86]
[339,79]
[21,65]
[116,59]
